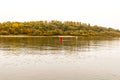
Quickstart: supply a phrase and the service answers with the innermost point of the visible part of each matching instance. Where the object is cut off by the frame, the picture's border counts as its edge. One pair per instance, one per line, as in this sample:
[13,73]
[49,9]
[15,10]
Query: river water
[45,58]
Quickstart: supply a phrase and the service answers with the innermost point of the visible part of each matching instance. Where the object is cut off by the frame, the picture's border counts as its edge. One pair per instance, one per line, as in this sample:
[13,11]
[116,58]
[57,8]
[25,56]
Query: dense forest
[54,27]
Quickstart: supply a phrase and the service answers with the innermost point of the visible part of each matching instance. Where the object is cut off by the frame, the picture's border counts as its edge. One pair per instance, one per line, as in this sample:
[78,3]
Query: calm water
[45,58]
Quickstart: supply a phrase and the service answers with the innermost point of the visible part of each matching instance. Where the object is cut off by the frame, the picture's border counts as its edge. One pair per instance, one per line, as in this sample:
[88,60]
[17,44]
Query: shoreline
[35,36]
[58,36]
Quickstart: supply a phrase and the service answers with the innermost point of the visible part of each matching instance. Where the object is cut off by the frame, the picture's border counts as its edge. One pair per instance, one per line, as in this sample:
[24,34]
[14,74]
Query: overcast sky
[105,13]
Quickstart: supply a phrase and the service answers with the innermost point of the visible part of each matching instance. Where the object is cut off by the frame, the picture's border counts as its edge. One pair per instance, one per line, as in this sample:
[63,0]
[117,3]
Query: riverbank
[32,36]
[65,36]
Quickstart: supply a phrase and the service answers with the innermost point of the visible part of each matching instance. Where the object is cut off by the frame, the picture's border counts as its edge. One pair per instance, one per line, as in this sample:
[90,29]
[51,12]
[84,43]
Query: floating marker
[60,40]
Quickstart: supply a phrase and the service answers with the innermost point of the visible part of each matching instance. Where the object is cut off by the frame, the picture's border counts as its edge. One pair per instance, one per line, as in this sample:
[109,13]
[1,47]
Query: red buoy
[60,39]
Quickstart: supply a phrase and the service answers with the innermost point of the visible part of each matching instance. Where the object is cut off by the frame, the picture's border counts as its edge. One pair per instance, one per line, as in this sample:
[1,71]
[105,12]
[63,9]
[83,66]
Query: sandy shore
[31,36]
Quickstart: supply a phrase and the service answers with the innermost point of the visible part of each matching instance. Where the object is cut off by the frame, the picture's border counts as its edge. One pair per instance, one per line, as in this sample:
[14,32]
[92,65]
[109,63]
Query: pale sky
[105,13]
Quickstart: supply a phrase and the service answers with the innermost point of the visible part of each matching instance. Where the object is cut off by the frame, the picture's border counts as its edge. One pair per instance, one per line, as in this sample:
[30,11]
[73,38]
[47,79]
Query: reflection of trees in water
[51,43]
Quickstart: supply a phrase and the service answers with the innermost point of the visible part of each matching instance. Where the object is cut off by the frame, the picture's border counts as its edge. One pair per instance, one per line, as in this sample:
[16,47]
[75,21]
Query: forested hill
[54,27]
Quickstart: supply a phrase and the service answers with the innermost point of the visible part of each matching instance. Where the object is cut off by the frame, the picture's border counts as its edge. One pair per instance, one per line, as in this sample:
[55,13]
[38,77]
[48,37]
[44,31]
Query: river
[46,58]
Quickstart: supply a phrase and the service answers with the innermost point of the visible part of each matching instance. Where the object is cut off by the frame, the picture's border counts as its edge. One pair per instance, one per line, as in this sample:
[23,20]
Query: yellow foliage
[15,25]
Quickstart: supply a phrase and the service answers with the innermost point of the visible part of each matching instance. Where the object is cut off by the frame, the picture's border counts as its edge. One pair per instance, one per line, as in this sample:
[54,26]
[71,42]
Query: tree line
[54,27]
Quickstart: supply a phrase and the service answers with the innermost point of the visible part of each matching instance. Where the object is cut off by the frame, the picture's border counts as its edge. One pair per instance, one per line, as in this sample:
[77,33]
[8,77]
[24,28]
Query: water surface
[45,58]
